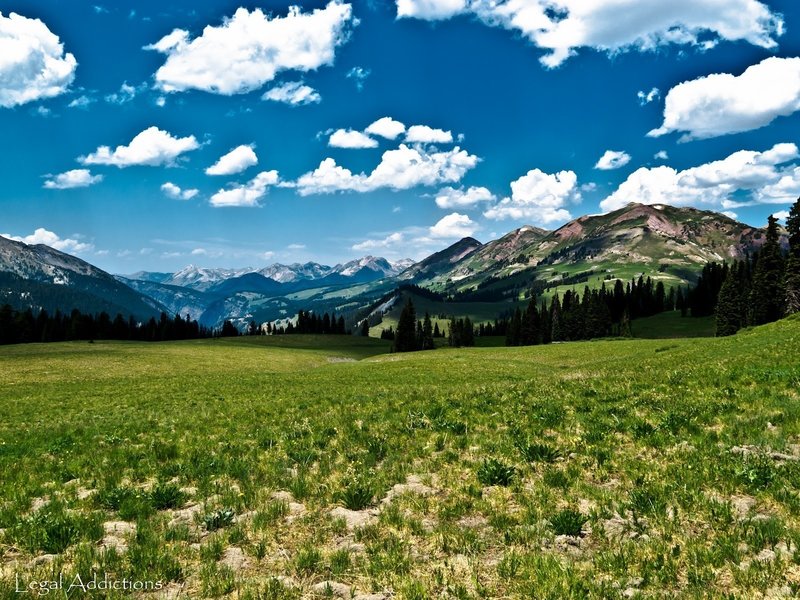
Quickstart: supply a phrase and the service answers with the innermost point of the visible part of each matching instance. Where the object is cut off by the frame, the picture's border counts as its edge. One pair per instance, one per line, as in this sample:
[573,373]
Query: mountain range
[664,242]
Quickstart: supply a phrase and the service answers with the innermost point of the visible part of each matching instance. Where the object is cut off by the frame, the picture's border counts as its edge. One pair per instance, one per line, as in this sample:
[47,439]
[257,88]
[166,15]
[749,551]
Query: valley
[482,281]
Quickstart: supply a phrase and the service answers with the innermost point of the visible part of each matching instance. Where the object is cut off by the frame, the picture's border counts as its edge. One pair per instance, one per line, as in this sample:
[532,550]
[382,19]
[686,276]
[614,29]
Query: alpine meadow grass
[295,466]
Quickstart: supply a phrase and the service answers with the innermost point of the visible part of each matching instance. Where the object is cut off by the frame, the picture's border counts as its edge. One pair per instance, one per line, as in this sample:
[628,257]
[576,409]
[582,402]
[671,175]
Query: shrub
[53,530]
[568,522]
[167,495]
[495,472]
[535,452]
[357,491]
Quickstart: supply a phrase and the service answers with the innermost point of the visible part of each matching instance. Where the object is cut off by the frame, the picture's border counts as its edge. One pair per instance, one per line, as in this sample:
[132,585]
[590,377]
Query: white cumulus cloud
[76,178]
[33,64]
[48,238]
[538,197]
[781,215]
[237,160]
[294,93]
[613,160]
[454,225]
[251,48]
[399,169]
[450,197]
[561,27]
[386,127]
[422,134]
[248,194]
[151,147]
[745,177]
[722,103]
[391,240]
[431,10]
[661,155]
[351,139]
[176,193]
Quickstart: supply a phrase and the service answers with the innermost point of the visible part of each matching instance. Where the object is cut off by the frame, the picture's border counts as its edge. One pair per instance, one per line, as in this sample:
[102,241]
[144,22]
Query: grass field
[672,325]
[265,467]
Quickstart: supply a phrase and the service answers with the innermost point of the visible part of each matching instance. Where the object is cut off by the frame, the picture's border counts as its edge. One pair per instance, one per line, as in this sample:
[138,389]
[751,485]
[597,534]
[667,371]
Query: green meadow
[302,466]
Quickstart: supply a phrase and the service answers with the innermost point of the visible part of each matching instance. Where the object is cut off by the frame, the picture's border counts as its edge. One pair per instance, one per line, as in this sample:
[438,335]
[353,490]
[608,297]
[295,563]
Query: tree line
[763,288]
[22,326]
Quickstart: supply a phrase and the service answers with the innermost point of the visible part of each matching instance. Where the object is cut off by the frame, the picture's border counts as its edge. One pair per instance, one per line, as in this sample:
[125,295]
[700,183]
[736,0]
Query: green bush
[568,522]
[495,472]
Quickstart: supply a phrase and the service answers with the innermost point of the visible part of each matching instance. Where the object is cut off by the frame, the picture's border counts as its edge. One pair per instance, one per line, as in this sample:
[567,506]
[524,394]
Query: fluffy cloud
[248,194]
[76,178]
[431,10]
[48,238]
[389,241]
[721,103]
[351,139]
[785,190]
[454,225]
[295,93]
[176,193]
[454,198]
[250,49]
[151,147]
[613,160]
[386,127]
[399,169]
[538,197]
[648,97]
[719,184]
[235,161]
[422,134]
[782,215]
[561,27]
[33,64]
[661,155]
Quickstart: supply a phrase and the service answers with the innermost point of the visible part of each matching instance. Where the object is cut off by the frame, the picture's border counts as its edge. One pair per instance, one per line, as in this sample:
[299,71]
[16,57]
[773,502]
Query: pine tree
[793,264]
[556,332]
[729,317]
[427,333]
[364,331]
[405,338]
[767,294]
[453,334]
[468,335]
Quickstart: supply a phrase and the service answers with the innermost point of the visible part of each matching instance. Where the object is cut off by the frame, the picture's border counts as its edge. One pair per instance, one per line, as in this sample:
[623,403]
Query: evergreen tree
[453,334]
[427,333]
[767,294]
[555,320]
[793,263]
[729,317]
[405,338]
[228,329]
[364,328]
[468,334]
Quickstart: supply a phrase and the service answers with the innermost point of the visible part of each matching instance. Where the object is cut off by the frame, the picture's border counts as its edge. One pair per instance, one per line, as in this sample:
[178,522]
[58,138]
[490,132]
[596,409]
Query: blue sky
[457,118]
